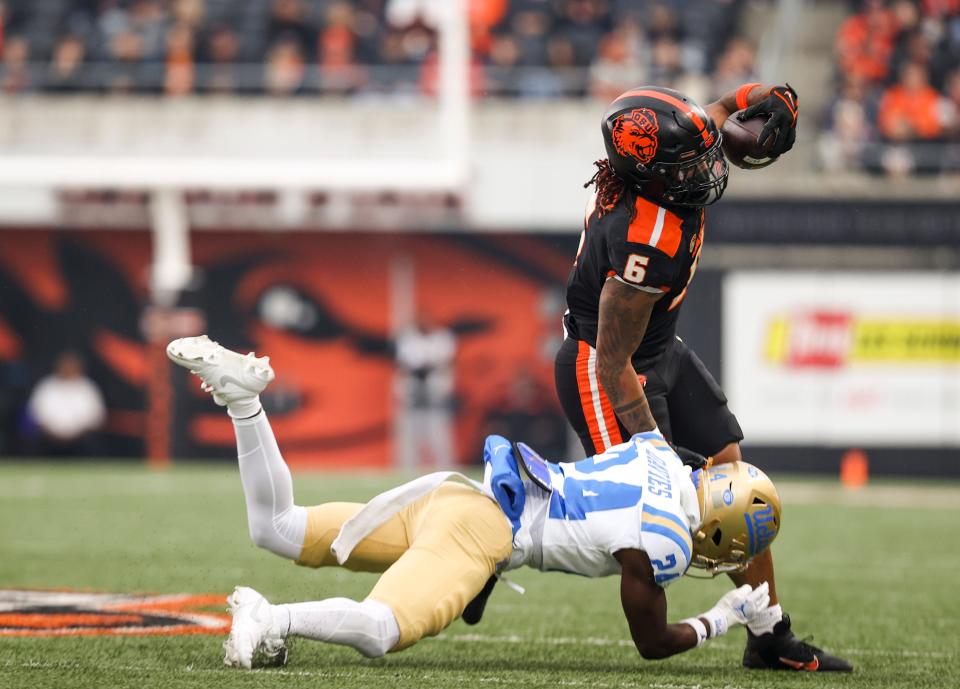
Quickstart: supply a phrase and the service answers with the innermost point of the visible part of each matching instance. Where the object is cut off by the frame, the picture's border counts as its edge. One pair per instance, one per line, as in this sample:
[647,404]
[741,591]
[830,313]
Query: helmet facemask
[739,517]
[696,182]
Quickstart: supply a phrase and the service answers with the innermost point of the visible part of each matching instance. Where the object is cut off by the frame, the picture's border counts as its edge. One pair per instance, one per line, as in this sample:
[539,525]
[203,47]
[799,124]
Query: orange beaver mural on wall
[332,402]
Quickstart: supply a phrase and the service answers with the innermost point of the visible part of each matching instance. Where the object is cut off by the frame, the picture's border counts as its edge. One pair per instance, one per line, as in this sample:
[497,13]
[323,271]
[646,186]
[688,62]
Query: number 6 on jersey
[636,269]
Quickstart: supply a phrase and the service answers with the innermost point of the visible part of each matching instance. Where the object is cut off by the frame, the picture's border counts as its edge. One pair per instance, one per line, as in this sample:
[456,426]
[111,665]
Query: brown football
[740,142]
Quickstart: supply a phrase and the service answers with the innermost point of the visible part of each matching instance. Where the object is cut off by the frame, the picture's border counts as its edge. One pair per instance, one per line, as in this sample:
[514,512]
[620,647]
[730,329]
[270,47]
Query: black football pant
[687,403]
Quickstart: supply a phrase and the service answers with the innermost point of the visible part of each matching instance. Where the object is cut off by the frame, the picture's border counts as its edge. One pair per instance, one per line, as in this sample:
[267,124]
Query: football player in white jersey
[634,510]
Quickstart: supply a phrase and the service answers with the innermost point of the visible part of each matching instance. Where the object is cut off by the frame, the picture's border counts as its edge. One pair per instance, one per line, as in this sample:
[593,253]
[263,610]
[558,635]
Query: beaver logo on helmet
[635,134]
[665,147]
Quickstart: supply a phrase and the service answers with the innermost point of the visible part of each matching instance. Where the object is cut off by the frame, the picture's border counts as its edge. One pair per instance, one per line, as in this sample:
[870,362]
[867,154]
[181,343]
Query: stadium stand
[898,94]
[522,48]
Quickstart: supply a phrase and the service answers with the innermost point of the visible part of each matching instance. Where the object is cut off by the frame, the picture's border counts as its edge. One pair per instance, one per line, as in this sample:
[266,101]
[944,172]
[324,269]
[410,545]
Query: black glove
[692,459]
[782,106]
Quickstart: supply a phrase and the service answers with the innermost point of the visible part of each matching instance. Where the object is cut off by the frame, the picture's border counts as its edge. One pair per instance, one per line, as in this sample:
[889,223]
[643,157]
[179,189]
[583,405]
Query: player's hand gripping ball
[756,136]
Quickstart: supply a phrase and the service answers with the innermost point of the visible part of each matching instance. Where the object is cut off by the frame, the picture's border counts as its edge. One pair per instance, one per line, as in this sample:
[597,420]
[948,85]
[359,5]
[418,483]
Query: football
[740,142]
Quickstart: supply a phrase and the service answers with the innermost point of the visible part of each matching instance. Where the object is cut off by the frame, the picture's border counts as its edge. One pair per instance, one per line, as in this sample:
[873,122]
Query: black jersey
[657,251]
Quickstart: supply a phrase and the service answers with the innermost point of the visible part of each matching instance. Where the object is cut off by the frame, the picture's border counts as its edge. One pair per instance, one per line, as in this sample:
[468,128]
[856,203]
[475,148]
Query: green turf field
[873,576]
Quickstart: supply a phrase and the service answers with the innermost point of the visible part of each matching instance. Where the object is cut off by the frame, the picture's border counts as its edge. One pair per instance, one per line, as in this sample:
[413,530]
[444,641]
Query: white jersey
[635,495]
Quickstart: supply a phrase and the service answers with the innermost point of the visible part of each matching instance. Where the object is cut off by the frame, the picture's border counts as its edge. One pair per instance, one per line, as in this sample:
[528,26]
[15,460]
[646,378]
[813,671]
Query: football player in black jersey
[621,369]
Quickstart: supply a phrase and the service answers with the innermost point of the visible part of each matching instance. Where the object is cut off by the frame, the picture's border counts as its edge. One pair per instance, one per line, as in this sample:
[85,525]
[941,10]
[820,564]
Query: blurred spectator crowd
[898,100]
[521,48]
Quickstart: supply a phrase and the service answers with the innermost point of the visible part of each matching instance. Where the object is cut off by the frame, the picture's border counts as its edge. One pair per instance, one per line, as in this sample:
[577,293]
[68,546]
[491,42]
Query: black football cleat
[474,610]
[781,650]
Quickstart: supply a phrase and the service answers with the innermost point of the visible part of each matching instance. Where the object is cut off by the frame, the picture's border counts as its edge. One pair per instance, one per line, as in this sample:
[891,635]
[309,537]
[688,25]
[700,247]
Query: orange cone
[854,469]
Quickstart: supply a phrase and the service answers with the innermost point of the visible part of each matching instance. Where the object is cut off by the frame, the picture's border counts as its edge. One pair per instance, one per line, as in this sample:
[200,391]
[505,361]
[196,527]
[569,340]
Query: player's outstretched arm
[624,315]
[779,103]
[645,605]
[738,99]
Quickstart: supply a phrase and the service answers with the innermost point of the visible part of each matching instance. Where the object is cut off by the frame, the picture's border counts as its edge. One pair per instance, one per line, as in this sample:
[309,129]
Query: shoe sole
[189,352]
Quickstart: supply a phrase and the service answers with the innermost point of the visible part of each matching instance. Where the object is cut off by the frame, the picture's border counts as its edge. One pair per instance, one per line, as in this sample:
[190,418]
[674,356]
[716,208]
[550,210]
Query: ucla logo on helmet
[761,529]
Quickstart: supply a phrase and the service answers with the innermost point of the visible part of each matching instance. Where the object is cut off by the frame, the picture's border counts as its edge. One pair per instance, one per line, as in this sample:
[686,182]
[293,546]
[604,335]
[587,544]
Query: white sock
[370,626]
[764,622]
[276,524]
[244,409]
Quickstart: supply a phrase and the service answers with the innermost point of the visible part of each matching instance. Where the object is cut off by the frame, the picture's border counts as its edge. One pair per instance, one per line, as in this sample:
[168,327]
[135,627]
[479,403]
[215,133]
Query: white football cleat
[231,377]
[252,641]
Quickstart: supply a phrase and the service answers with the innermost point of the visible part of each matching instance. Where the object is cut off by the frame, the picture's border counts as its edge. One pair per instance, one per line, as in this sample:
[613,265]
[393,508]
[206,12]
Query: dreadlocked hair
[611,188]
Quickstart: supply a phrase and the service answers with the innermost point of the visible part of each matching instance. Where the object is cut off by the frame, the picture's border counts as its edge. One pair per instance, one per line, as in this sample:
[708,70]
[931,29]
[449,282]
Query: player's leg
[282,527]
[236,381]
[703,423]
[274,521]
[457,538]
[375,553]
[259,630]
[435,555]
[258,633]
[700,417]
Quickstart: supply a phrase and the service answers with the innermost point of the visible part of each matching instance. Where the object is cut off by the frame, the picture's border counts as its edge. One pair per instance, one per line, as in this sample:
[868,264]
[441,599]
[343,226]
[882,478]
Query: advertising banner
[832,358]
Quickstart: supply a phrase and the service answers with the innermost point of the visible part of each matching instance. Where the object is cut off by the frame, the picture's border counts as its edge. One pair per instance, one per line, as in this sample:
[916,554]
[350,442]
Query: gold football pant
[435,554]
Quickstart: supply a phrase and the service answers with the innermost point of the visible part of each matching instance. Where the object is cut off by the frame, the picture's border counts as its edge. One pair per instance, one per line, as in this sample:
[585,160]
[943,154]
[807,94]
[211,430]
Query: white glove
[739,606]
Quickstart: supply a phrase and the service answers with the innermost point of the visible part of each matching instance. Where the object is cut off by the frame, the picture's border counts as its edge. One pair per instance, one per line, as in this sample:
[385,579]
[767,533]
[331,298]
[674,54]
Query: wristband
[699,627]
[717,621]
[743,93]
